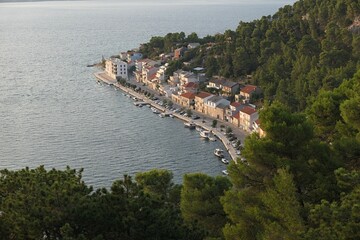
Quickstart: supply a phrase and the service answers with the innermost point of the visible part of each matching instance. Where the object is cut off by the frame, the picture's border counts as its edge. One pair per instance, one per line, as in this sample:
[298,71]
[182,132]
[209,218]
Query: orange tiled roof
[236,115]
[248,89]
[235,104]
[190,85]
[188,95]
[152,76]
[203,95]
[248,110]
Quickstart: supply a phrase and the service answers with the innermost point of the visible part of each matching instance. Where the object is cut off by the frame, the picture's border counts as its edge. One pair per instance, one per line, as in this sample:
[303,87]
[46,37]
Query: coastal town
[189,96]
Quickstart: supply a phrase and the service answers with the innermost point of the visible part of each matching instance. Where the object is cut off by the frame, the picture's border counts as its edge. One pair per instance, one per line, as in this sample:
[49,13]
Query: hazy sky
[282,2]
[150,2]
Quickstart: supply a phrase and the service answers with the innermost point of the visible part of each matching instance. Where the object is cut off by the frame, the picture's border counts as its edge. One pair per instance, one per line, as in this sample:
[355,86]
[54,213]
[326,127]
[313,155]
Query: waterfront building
[216,107]
[179,52]
[247,92]
[181,77]
[233,109]
[115,68]
[185,99]
[227,87]
[144,69]
[235,119]
[140,63]
[167,90]
[149,74]
[200,100]
[230,88]
[257,128]
[248,115]
[160,74]
[189,87]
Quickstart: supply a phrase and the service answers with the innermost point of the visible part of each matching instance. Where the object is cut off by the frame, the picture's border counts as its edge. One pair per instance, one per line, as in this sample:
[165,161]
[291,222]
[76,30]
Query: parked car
[232,138]
[194,117]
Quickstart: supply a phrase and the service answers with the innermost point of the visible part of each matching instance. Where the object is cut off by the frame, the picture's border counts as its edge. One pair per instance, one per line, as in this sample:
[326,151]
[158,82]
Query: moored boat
[205,134]
[219,152]
[154,110]
[225,172]
[212,138]
[190,125]
[225,161]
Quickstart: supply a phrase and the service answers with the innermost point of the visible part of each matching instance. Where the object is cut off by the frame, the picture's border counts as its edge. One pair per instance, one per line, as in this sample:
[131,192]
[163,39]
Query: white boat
[172,116]
[154,110]
[219,152]
[213,139]
[199,129]
[225,161]
[225,172]
[205,134]
[190,125]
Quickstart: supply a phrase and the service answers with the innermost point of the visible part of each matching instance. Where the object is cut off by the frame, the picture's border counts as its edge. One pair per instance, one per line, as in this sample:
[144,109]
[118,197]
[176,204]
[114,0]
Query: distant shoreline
[22,1]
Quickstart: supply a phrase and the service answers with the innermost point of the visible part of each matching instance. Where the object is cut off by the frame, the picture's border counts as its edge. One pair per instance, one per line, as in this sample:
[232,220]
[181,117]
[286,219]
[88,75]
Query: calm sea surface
[52,111]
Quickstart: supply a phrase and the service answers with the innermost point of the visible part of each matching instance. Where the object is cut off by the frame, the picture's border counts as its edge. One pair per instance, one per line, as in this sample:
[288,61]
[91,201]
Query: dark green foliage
[37,204]
[200,202]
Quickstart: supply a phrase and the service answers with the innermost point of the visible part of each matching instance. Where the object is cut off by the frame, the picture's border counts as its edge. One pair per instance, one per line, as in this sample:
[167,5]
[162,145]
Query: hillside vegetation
[292,55]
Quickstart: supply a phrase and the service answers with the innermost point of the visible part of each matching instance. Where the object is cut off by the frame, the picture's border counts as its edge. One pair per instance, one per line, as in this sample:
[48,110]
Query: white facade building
[115,68]
[160,74]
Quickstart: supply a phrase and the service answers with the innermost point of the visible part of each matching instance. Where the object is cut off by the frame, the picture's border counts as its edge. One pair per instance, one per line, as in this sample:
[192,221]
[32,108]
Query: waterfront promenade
[199,122]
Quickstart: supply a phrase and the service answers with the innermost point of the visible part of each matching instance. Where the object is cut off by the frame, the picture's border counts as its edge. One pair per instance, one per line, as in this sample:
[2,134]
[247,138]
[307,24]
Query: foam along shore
[227,144]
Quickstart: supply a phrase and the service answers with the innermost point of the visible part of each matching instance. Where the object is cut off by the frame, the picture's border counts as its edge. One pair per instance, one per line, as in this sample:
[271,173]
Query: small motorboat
[225,172]
[204,134]
[212,138]
[154,110]
[190,125]
[225,161]
[219,152]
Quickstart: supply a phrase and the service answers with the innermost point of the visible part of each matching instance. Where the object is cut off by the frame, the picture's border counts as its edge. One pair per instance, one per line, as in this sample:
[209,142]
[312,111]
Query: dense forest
[292,55]
[300,181]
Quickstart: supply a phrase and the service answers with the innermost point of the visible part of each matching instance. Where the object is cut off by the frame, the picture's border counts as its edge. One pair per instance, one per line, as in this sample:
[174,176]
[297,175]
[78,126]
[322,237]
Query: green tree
[200,202]
[214,123]
[157,183]
[282,216]
[38,203]
[338,219]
